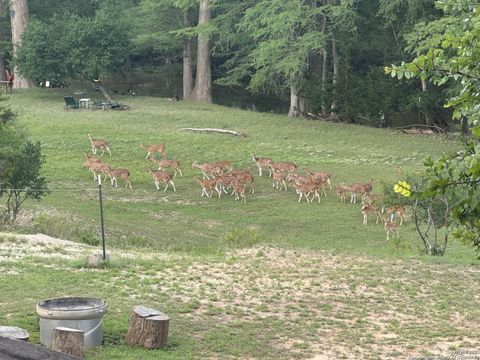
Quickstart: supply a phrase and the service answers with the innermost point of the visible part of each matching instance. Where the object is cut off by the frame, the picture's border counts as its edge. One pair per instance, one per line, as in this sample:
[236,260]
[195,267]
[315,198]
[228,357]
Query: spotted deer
[239,191]
[391,228]
[327,177]
[92,158]
[279,180]
[319,183]
[288,167]
[224,165]
[359,188]
[305,189]
[245,177]
[207,184]
[164,163]
[97,169]
[154,148]
[114,174]
[369,209]
[208,170]
[162,176]
[342,191]
[262,163]
[398,210]
[98,144]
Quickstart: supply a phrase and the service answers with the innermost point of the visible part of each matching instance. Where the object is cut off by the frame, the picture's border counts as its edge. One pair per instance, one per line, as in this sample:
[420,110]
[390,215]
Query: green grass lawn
[269,278]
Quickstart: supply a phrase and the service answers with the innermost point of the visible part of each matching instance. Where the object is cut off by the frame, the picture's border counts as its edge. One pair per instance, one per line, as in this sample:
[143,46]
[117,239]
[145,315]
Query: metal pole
[101,215]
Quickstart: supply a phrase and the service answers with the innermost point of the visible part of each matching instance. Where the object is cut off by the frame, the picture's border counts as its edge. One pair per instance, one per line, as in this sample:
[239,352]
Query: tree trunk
[187,58]
[2,68]
[19,21]
[323,79]
[465,128]
[202,91]
[324,82]
[147,328]
[68,341]
[294,110]
[333,106]
[428,118]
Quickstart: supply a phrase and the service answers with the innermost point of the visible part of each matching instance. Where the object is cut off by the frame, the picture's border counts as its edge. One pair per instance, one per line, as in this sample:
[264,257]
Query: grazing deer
[319,183]
[164,163]
[99,144]
[399,210]
[224,165]
[208,169]
[391,228]
[245,177]
[207,184]
[342,191]
[368,209]
[223,182]
[263,163]
[288,167]
[114,174]
[322,175]
[359,188]
[279,180]
[159,148]
[239,191]
[162,176]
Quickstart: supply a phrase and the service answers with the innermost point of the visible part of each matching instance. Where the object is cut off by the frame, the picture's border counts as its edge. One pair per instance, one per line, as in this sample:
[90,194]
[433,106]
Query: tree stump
[14,332]
[68,341]
[147,328]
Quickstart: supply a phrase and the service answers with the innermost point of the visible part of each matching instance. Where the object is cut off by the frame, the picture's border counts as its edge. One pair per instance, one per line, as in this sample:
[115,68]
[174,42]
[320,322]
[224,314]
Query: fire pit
[73,312]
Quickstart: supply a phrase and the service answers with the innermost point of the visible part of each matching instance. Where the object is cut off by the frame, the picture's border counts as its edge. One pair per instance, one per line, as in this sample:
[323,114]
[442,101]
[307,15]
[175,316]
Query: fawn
[391,228]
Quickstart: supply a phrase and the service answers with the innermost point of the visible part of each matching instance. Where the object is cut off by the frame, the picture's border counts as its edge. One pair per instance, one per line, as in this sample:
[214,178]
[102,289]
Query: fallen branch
[211,130]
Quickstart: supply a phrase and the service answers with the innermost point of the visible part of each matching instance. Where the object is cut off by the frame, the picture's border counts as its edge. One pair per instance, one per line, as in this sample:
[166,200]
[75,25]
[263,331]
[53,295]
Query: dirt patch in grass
[302,304]
[341,307]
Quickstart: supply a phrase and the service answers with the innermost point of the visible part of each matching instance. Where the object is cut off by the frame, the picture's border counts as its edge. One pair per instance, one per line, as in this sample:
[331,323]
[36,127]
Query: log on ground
[213,130]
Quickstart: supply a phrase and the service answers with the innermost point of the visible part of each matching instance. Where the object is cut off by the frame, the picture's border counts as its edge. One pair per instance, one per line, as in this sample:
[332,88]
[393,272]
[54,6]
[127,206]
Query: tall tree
[202,92]
[19,22]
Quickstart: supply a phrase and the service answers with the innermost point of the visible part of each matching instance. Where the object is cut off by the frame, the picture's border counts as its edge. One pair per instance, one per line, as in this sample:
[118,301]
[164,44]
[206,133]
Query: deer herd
[221,178]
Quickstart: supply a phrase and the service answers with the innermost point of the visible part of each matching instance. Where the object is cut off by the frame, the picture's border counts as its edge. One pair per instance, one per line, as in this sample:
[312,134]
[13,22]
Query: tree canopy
[452,55]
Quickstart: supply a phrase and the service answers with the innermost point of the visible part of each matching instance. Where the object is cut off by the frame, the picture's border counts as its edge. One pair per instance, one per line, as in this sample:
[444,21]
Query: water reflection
[170,85]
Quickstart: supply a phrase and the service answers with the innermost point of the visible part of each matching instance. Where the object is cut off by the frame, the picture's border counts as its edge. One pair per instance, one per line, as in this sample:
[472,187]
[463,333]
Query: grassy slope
[184,220]
[336,280]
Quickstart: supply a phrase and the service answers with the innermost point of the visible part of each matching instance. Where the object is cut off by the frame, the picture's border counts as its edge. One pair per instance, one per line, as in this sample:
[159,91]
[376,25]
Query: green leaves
[69,45]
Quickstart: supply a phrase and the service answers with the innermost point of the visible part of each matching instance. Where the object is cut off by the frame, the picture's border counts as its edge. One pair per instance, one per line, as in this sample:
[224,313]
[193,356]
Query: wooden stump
[147,328]
[68,341]
[14,332]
